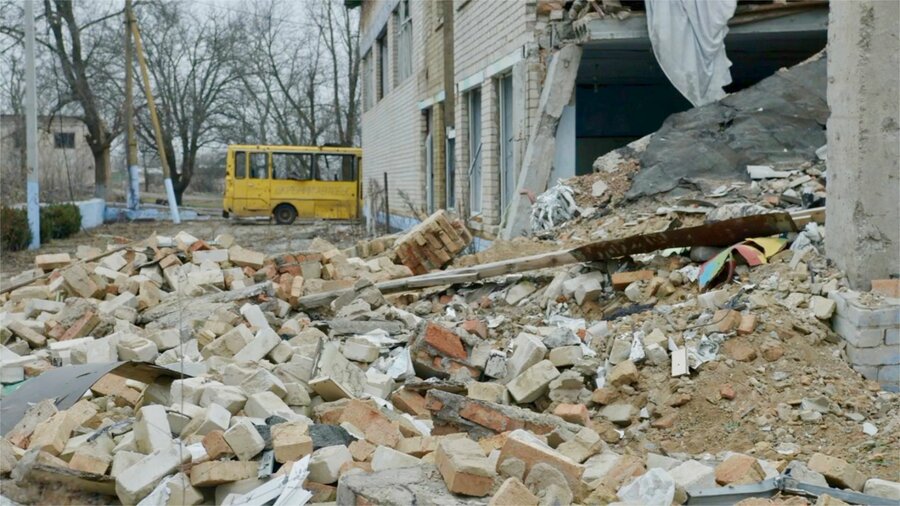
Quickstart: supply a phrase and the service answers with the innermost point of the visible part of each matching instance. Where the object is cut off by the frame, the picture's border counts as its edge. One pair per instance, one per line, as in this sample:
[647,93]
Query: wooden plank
[723,233]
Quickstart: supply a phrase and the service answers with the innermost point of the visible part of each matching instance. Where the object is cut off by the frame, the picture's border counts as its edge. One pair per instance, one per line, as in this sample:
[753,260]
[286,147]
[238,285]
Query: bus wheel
[285,214]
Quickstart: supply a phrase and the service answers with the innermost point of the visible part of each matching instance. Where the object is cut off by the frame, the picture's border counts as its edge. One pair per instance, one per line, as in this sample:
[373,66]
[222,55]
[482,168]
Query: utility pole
[133,194]
[32,188]
[154,118]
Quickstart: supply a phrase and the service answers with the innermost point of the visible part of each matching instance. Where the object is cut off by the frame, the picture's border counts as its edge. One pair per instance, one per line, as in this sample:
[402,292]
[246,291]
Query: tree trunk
[101,170]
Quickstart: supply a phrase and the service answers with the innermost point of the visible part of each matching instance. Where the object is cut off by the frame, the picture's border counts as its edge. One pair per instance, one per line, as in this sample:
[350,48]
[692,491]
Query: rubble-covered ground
[282,374]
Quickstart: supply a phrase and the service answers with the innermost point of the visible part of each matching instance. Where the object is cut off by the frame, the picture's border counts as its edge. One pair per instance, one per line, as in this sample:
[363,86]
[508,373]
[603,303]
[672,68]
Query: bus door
[253,191]
[337,174]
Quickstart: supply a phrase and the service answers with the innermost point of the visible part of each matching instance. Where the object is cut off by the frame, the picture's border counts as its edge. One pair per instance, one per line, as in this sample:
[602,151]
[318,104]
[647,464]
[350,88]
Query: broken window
[404,41]
[336,167]
[296,166]
[259,167]
[64,140]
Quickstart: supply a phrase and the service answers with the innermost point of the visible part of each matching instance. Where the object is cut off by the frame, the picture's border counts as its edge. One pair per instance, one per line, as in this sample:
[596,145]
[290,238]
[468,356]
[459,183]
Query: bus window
[240,165]
[336,168]
[295,166]
[259,167]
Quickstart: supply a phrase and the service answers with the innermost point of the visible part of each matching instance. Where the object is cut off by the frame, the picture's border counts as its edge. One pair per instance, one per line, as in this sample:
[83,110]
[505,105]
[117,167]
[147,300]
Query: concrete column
[863,214]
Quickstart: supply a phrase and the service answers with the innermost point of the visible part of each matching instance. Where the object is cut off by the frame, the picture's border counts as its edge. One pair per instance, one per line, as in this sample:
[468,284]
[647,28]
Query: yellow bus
[286,182]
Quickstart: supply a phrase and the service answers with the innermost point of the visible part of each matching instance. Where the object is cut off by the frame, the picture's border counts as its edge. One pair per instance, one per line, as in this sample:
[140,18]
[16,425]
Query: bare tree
[301,73]
[337,28]
[85,64]
[190,58]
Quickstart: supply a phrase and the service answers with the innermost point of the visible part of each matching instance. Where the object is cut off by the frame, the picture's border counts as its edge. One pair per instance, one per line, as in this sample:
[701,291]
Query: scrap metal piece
[66,385]
[722,233]
[733,494]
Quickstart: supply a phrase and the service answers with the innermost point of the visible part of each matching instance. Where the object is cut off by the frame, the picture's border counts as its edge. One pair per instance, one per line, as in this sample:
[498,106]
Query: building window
[475,189]
[404,41]
[64,140]
[383,84]
[368,81]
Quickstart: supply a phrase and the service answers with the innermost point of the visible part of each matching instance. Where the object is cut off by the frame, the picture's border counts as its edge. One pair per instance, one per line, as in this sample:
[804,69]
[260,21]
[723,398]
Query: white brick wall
[393,129]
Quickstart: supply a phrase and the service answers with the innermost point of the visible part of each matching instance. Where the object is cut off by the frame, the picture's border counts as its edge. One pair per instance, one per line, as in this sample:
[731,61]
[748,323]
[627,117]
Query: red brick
[410,402]
[82,327]
[477,327]
[575,413]
[445,341]
[887,287]
[747,325]
[490,418]
[726,391]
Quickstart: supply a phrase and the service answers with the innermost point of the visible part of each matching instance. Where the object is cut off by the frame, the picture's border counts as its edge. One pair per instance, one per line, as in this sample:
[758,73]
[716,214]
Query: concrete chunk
[532,383]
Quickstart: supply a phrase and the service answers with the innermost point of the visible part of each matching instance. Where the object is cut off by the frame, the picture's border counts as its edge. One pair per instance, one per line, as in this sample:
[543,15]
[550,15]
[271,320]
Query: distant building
[64,157]
[451,90]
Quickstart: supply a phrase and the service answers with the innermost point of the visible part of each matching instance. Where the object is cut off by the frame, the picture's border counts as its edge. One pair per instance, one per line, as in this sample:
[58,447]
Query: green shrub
[59,221]
[14,232]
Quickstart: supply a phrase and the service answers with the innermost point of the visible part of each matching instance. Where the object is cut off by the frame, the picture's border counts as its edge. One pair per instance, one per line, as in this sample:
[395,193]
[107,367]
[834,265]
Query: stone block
[533,382]
[291,441]
[211,255]
[739,470]
[574,413]
[882,488]
[837,471]
[214,417]
[620,280]
[244,439]
[215,445]
[208,474]
[691,475]
[529,449]
[265,340]
[359,350]
[151,429]
[51,434]
[266,404]
[325,463]
[246,258]
[513,493]
[138,480]
[49,261]
[491,392]
[385,458]
[565,356]
[624,373]
[464,467]
[229,397]
[254,316]
[529,350]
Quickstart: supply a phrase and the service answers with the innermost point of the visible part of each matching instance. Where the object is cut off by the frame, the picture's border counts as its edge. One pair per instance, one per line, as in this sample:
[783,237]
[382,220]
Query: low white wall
[92,212]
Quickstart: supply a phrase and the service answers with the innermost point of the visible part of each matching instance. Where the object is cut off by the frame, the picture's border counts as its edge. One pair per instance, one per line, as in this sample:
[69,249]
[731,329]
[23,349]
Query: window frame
[64,140]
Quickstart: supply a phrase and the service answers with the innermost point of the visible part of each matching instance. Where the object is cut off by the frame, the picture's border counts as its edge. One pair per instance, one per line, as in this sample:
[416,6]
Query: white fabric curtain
[688,38]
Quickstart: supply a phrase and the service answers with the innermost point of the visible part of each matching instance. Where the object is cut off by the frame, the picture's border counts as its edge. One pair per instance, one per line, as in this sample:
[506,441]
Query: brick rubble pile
[570,385]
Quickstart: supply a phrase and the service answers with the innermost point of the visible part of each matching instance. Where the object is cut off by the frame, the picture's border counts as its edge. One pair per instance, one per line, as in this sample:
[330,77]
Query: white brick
[244,439]
[151,429]
[264,341]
